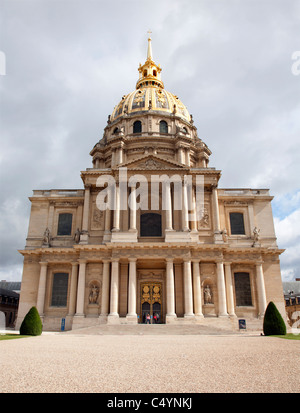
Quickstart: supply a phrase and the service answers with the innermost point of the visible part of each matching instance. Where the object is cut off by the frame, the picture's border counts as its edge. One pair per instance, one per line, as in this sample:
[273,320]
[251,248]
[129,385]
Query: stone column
[105,291]
[73,288]
[181,155]
[132,316]
[261,291]
[188,290]
[132,210]
[85,220]
[229,289]
[216,215]
[42,288]
[81,289]
[185,208]
[170,292]
[187,157]
[168,204]
[197,288]
[221,290]
[194,226]
[113,317]
[117,209]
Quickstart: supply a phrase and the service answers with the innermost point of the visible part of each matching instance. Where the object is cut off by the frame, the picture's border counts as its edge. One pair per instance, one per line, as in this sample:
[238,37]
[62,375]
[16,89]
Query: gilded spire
[149,71]
[149,51]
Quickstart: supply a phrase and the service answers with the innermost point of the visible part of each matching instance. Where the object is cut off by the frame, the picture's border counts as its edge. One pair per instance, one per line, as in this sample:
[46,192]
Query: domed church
[151,238]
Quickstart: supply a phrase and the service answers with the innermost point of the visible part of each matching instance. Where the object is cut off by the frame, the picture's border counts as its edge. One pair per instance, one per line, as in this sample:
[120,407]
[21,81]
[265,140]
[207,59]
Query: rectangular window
[64,224]
[59,290]
[237,223]
[242,289]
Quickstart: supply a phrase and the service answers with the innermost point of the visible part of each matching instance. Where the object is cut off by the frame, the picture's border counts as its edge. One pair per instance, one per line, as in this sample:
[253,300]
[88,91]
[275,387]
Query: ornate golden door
[151,303]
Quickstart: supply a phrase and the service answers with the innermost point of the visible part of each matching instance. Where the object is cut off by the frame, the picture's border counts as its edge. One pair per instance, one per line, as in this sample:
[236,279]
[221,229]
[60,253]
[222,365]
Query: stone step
[160,329]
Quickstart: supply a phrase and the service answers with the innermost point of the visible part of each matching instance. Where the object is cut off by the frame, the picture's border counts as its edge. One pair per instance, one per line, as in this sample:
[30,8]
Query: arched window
[137,126]
[145,73]
[116,130]
[64,224]
[151,225]
[163,126]
[154,73]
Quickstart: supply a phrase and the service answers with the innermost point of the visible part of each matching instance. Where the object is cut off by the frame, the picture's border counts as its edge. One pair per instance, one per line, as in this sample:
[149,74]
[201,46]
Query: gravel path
[157,364]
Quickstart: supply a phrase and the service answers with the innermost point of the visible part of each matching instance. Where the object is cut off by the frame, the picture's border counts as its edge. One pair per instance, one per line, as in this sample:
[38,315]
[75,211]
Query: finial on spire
[149,51]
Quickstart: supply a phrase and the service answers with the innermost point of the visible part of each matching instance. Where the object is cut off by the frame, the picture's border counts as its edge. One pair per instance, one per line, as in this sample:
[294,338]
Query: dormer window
[137,126]
[163,126]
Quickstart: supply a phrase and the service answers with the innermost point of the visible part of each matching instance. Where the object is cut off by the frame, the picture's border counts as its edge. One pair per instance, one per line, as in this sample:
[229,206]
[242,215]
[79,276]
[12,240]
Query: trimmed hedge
[273,322]
[32,324]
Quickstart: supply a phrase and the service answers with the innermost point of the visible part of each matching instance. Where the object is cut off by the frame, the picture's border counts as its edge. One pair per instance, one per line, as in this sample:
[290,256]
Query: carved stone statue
[46,238]
[256,232]
[224,235]
[208,295]
[77,236]
[94,293]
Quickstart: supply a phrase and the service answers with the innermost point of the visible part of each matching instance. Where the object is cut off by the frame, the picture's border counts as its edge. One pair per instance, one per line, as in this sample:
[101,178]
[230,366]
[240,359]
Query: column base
[107,236]
[113,319]
[131,319]
[218,238]
[103,319]
[84,238]
[189,317]
[171,318]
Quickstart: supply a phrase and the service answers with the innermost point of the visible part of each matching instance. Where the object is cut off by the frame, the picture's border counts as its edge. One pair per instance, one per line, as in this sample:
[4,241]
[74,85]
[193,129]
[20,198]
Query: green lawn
[289,336]
[10,336]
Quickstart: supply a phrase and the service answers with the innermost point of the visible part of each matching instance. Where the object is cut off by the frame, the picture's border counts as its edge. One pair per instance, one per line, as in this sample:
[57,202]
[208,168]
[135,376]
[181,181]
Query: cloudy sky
[68,63]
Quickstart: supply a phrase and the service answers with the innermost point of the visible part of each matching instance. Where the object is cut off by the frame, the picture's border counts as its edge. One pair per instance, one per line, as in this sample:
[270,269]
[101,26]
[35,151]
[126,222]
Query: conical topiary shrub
[273,322]
[32,324]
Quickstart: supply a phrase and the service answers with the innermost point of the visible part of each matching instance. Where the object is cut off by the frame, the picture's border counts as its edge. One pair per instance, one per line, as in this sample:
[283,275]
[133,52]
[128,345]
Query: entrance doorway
[151,303]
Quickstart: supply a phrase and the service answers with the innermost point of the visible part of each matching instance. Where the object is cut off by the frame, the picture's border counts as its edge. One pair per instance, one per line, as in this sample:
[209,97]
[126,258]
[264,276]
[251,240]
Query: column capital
[43,263]
[258,264]
[196,260]
[169,260]
[132,259]
[74,263]
[106,260]
[82,261]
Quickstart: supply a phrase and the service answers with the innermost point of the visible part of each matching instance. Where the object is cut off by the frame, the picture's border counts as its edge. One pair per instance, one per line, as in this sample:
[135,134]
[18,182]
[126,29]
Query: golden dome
[150,94]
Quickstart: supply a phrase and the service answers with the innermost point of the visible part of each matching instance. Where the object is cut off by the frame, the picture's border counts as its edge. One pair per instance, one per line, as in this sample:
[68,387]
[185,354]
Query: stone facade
[170,244]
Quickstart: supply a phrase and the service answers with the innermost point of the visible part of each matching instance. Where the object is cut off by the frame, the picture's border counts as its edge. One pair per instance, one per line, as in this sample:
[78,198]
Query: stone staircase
[210,326]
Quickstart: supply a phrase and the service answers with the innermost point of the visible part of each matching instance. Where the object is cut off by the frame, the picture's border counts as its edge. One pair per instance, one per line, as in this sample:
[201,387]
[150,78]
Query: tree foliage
[32,324]
[273,322]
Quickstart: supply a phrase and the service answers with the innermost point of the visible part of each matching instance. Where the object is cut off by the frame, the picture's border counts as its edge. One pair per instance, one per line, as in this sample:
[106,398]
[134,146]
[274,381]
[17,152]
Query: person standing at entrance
[148,318]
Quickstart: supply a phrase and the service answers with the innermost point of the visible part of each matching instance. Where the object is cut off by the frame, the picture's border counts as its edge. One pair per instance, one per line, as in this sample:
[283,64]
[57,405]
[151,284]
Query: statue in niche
[94,293]
[46,238]
[208,295]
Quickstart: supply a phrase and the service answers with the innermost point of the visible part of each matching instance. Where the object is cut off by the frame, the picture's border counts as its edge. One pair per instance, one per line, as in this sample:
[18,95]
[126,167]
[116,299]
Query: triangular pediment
[153,162]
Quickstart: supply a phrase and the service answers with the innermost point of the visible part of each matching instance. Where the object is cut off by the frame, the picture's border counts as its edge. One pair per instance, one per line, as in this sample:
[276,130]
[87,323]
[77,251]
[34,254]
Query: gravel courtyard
[149,363]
